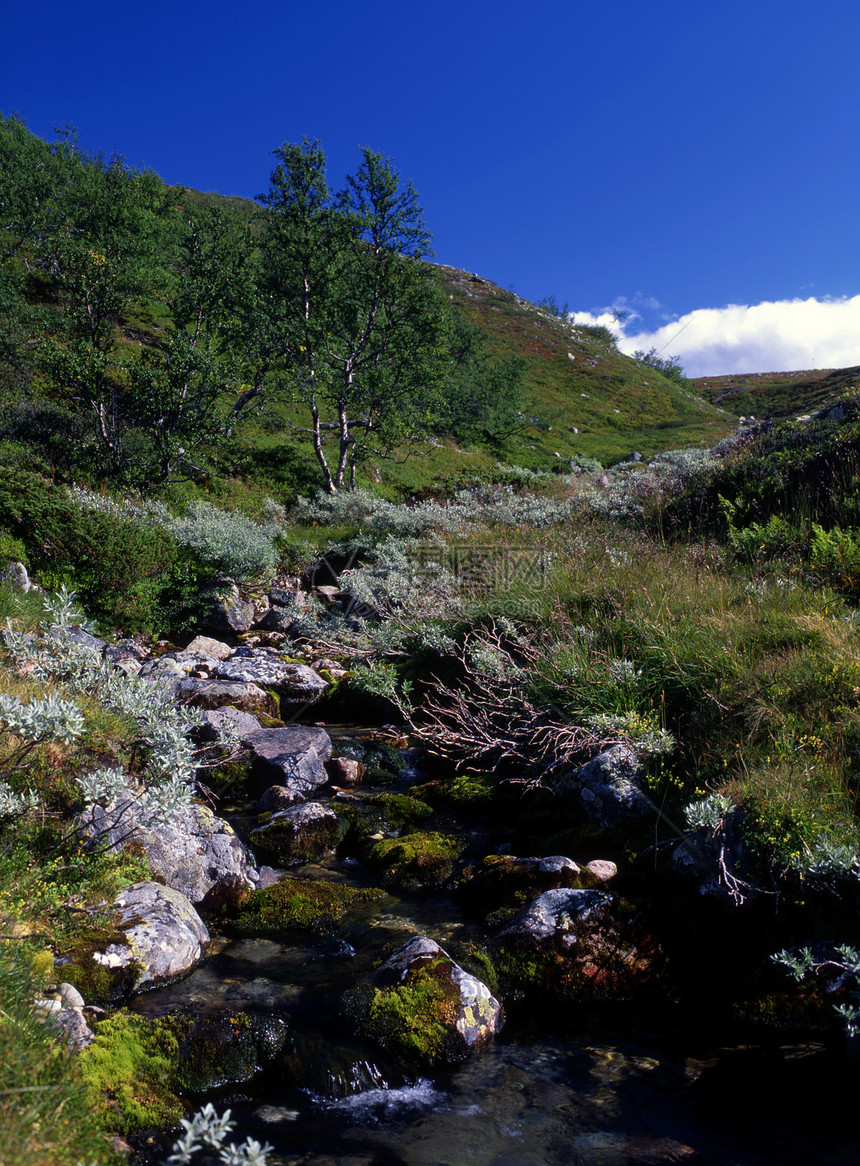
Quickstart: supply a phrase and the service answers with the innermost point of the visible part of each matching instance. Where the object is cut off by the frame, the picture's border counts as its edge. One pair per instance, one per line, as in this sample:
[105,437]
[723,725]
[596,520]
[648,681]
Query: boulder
[213,694]
[14,575]
[193,853]
[297,684]
[206,646]
[212,721]
[345,770]
[293,756]
[586,944]
[278,797]
[606,790]
[227,1047]
[163,935]
[422,1005]
[299,834]
[228,611]
[558,918]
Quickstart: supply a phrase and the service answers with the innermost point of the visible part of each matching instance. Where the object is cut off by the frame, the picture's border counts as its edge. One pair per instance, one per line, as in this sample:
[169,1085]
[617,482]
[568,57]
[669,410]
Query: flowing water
[614,1086]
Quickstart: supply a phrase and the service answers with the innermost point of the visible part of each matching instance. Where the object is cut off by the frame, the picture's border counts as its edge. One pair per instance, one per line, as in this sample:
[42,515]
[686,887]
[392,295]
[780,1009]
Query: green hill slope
[577,382]
[778,394]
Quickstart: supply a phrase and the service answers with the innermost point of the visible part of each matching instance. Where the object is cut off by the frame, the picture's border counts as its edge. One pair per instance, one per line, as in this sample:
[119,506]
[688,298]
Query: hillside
[777,394]
[584,396]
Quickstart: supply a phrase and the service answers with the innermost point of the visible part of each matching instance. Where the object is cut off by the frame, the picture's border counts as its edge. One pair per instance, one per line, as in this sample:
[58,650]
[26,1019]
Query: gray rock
[297,683]
[557,916]
[299,834]
[213,719]
[293,756]
[14,575]
[607,789]
[212,694]
[603,869]
[206,646]
[191,854]
[167,666]
[228,610]
[77,1032]
[164,935]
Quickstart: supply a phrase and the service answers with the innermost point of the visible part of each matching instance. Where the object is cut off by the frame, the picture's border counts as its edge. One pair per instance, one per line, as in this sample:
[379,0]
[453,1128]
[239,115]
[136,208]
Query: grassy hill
[777,394]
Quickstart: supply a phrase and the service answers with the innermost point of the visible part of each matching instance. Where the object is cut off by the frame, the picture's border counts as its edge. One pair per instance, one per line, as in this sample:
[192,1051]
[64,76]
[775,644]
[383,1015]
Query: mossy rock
[226,1048]
[473,791]
[423,1006]
[129,1072]
[417,860]
[302,833]
[314,905]
[501,884]
[98,984]
[383,813]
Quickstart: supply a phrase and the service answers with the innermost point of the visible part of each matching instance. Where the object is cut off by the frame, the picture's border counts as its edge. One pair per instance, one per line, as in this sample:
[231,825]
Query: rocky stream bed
[372,961]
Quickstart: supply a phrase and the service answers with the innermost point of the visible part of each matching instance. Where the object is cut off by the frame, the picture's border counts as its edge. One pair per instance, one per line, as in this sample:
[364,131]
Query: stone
[213,694]
[602,868]
[77,1032]
[288,597]
[278,797]
[229,611]
[207,646]
[164,936]
[293,756]
[299,834]
[227,1047]
[345,771]
[606,790]
[556,917]
[297,684]
[14,575]
[212,721]
[457,1017]
[193,853]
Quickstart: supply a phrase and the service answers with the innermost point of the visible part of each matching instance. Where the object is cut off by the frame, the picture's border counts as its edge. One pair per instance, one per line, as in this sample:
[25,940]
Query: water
[614,1086]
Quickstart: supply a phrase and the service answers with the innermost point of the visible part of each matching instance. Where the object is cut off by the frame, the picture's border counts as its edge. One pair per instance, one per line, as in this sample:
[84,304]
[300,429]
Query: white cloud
[775,336]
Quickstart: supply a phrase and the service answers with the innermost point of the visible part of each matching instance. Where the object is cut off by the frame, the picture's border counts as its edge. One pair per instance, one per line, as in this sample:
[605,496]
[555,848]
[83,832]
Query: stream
[607,1085]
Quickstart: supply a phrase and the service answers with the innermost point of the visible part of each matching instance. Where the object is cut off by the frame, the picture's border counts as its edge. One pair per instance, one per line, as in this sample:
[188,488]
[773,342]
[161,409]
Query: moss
[130,1072]
[290,843]
[467,790]
[98,984]
[383,813]
[415,1019]
[231,779]
[417,860]
[298,905]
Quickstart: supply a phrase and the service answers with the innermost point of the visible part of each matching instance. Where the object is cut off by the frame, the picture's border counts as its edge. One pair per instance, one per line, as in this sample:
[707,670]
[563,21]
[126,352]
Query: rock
[602,869]
[166,666]
[14,575]
[213,719]
[78,1033]
[206,646]
[227,1048]
[606,790]
[164,936]
[557,917]
[288,597]
[228,610]
[191,854]
[227,894]
[299,834]
[587,945]
[345,771]
[293,756]
[502,882]
[297,683]
[422,1005]
[278,797]
[213,694]
[70,996]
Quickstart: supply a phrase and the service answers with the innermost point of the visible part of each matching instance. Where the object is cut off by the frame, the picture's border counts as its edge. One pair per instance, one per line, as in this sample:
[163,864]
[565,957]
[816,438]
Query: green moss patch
[382,813]
[130,1072]
[417,860]
[314,905]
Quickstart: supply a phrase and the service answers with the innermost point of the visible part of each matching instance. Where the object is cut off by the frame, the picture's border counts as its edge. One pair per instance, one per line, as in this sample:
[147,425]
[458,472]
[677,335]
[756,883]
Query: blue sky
[669,158]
